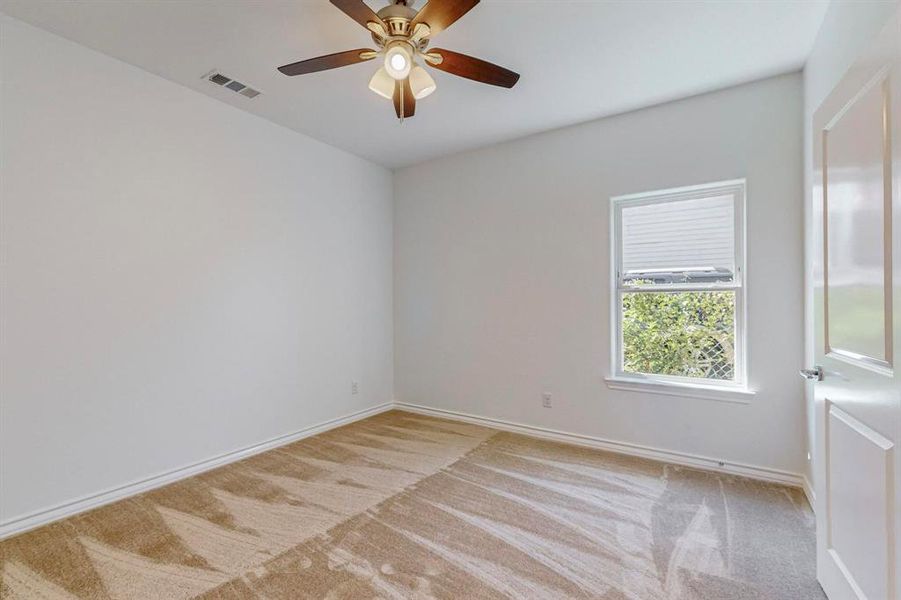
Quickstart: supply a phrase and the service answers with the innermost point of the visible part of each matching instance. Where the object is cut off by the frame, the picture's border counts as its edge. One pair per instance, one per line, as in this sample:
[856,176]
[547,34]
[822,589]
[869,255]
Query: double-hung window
[678,305]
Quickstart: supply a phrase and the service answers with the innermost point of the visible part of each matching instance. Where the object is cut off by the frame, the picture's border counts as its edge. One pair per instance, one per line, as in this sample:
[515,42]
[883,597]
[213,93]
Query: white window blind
[679,236]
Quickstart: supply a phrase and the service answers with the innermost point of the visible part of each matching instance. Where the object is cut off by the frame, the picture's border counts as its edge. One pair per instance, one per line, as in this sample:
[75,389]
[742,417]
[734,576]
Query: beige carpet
[406,506]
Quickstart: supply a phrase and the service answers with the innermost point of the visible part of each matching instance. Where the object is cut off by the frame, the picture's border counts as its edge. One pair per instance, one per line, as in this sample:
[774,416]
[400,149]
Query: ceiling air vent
[229,83]
[219,79]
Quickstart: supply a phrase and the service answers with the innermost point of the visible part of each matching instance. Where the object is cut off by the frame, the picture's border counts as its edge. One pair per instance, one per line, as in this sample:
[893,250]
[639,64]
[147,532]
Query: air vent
[219,79]
[229,83]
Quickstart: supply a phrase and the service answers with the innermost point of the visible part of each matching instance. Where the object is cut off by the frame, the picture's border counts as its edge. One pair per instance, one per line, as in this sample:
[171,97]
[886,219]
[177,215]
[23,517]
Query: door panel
[857,293]
[858,472]
[858,302]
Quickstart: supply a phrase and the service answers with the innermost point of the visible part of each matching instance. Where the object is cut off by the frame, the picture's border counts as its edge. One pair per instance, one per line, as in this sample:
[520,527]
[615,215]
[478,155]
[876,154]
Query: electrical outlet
[546,399]
[354,387]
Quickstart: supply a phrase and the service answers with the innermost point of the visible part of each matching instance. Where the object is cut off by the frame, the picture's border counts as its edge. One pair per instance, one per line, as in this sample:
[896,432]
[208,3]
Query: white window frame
[737,390]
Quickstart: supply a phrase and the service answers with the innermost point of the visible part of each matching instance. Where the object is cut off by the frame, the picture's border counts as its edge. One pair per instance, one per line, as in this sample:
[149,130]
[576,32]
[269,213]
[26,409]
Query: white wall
[501,274]
[180,279]
[847,28]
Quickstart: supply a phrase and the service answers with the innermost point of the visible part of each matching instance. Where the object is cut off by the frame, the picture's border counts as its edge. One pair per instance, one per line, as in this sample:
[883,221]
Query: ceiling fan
[402,36]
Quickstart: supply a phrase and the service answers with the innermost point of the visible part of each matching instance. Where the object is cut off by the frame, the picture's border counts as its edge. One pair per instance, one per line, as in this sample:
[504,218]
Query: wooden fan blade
[358,11]
[403,87]
[329,61]
[441,14]
[474,68]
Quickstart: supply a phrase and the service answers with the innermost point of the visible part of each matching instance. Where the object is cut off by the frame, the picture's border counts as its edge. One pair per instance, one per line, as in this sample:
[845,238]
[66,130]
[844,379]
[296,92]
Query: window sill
[737,395]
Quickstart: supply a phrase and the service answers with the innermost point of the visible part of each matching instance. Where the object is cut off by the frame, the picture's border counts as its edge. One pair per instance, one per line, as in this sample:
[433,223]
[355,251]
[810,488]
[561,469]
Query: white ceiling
[579,60]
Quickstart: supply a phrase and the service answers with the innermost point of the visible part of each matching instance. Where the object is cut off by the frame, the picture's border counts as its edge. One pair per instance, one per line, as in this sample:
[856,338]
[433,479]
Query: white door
[857,290]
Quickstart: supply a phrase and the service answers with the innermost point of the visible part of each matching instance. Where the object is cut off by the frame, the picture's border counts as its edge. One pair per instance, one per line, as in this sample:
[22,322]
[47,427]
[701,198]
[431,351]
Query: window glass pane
[686,334]
[684,241]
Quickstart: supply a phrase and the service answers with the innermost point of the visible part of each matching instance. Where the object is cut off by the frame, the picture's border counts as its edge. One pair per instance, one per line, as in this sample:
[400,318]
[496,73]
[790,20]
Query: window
[678,286]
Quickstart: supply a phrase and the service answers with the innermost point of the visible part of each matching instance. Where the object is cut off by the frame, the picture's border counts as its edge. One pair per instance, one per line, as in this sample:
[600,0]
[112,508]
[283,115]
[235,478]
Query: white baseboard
[809,492]
[67,509]
[667,456]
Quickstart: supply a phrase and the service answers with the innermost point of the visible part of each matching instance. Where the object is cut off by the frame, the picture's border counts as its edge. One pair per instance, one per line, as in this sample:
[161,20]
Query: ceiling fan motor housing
[397,19]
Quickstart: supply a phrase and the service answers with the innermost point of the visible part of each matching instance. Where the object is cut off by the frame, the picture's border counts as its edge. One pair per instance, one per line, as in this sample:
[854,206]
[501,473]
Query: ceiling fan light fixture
[402,36]
[382,84]
[421,83]
[398,62]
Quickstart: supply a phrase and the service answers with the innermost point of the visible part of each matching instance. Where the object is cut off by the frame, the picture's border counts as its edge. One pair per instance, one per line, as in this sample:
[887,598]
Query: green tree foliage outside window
[686,334]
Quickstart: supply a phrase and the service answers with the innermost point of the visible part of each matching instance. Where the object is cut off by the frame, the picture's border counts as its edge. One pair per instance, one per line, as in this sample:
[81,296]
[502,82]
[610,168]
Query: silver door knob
[814,374]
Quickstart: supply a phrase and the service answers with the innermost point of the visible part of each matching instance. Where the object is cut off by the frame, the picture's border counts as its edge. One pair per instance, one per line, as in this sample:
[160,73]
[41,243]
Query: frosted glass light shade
[421,83]
[382,84]
[398,62]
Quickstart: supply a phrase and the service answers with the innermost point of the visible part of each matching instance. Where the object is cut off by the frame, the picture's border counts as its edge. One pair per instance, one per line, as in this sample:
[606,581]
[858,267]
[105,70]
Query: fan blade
[329,61]
[441,14]
[474,68]
[359,12]
[409,100]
